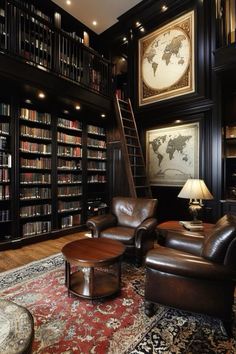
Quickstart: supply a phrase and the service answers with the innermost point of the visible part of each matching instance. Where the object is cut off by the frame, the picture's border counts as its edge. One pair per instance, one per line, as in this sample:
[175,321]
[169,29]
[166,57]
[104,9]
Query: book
[191,226]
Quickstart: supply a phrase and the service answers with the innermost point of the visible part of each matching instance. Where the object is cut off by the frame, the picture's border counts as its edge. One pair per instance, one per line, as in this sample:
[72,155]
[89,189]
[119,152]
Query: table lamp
[195,190]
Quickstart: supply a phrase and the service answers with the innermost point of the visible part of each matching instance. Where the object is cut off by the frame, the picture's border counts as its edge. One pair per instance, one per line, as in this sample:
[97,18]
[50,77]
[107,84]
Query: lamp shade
[195,189]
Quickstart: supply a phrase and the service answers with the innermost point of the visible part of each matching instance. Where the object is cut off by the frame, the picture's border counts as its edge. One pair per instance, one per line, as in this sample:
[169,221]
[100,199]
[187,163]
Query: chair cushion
[131,212]
[119,233]
[217,242]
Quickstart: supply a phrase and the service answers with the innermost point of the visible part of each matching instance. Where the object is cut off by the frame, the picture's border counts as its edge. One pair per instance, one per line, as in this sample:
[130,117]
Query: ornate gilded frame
[166,61]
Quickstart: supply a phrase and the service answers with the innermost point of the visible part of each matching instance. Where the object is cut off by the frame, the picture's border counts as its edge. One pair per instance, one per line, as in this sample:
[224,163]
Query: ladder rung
[122,101]
[146,186]
[134,146]
[131,136]
[135,165]
[139,176]
[125,110]
[127,119]
[135,155]
[126,127]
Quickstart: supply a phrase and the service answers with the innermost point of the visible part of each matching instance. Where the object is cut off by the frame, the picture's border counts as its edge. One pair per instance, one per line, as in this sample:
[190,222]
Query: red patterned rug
[69,325]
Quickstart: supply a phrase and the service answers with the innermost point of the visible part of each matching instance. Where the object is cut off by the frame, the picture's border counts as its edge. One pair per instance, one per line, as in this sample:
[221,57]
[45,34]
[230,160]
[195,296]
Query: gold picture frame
[166,61]
[172,154]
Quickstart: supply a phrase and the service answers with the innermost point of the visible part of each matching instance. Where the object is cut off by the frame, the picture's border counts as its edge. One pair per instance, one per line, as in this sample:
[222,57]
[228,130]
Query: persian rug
[71,325]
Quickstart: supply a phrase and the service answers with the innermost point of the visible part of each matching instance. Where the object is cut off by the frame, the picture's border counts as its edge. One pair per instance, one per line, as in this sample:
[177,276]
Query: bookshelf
[35,155]
[5,171]
[69,171]
[2,25]
[96,170]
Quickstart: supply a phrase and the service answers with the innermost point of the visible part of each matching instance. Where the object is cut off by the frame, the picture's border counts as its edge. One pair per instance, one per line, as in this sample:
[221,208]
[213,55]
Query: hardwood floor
[13,258]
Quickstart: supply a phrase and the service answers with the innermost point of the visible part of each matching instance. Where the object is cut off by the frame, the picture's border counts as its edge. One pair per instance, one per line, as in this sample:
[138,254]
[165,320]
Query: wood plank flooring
[13,258]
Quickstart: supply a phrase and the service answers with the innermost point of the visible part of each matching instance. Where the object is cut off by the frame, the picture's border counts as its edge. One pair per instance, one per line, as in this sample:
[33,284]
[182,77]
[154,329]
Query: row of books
[96,154]
[92,129]
[35,228]
[69,206]
[35,193]
[69,191]
[70,220]
[5,159]
[96,143]
[35,210]
[3,142]
[96,179]
[41,163]
[34,177]
[5,215]
[69,164]
[4,128]
[69,178]
[37,133]
[35,116]
[4,175]
[69,139]
[27,146]
[71,124]
[4,109]
[4,192]
[96,165]
[69,151]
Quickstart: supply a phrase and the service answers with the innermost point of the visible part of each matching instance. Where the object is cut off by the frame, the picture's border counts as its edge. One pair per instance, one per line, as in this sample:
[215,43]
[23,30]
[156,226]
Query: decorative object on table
[172,154]
[197,191]
[70,325]
[166,61]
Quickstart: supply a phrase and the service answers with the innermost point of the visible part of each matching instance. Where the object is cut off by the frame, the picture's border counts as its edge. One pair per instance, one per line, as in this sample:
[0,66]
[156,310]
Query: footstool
[16,328]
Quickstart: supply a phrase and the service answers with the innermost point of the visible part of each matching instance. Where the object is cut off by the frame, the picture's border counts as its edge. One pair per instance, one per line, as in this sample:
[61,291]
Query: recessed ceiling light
[28,101]
[94,23]
[77,107]
[68,2]
[164,8]
[124,39]
[41,95]
[103,115]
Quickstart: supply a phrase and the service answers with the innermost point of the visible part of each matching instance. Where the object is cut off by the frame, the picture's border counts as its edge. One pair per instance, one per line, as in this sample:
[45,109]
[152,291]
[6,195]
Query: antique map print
[173,154]
[166,61]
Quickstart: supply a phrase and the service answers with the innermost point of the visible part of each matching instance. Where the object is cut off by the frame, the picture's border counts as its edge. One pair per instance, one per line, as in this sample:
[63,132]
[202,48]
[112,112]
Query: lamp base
[195,209]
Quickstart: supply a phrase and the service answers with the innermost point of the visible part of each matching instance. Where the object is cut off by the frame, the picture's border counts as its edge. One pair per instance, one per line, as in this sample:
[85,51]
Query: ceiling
[105,12]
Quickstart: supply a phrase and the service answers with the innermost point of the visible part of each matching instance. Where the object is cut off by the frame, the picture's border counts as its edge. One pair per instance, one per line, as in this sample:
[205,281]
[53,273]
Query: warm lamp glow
[195,190]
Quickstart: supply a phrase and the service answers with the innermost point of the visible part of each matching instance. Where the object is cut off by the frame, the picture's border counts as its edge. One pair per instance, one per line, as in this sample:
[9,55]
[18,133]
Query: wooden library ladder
[131,150]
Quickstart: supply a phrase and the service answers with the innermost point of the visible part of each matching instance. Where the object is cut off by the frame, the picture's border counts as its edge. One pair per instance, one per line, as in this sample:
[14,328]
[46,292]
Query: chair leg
[149,308]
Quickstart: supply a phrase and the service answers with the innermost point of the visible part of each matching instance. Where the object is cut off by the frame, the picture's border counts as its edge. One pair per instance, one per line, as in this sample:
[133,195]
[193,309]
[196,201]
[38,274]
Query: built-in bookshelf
[35,156]
[96,169]
[5,171]
[69,171]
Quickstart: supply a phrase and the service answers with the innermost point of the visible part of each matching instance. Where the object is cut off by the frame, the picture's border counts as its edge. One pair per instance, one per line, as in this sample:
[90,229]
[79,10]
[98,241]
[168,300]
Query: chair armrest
[146,227]
[100,222]
[172,261]
[185,242]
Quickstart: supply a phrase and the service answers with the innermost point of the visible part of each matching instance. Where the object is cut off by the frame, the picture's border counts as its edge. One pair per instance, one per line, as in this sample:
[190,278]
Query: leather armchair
[195,273]
[132,221]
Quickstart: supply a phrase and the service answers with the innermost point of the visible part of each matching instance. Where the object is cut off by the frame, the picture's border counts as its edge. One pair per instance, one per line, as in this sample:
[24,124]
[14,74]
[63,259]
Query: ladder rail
[134,159]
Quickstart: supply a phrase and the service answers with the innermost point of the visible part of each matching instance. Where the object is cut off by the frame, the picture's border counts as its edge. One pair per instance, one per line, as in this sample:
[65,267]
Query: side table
[99,267]
[174,226]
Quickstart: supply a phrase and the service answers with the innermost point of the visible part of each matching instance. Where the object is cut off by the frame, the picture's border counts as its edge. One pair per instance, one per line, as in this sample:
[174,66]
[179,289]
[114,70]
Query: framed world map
[166,61]
[172,154]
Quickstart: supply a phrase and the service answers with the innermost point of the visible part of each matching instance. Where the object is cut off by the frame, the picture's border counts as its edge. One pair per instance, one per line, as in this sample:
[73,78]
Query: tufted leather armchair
[132,221]
[195,273]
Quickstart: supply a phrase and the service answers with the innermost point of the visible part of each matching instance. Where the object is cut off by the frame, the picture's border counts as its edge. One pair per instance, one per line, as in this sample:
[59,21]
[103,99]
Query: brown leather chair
[195,274]
[132,221]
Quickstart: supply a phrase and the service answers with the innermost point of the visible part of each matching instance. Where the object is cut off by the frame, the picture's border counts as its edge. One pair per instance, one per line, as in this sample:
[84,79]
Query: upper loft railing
[30,36]
[226,22]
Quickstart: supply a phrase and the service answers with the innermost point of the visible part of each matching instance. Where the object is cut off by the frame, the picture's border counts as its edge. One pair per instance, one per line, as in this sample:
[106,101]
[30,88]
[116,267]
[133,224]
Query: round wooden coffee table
[93,267]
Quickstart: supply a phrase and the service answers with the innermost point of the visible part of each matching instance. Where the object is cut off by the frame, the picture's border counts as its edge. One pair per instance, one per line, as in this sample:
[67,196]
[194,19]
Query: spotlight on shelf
[65,111]
[142,29]
[41,95]
[28,101]
[77,107]
[124,39]
[103,115]
[137,24]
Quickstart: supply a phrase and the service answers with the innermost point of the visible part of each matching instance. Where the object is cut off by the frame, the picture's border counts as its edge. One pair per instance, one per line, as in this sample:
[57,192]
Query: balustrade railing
[33,38]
